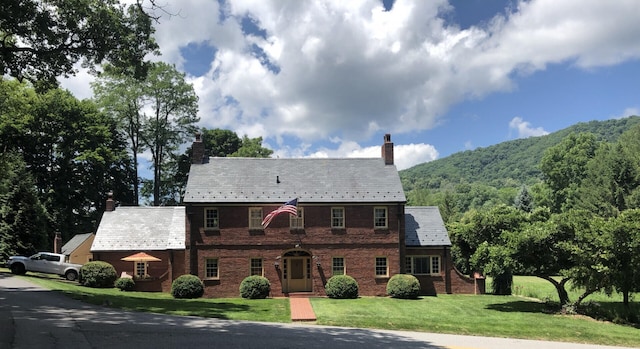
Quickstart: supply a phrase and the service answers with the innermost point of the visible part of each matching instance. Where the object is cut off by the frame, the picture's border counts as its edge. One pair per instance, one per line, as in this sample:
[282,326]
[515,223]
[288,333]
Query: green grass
[486,315]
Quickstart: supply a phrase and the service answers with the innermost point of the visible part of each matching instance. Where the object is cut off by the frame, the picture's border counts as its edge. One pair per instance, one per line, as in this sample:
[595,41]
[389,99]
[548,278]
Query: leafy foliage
[41,40]
[403,286]
[187,286]
[342,287]
[255,287]
[125,284]
[98,274]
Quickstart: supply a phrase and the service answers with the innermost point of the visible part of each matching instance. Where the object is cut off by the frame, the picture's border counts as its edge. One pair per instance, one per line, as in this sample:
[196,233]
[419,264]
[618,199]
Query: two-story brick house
[350,221]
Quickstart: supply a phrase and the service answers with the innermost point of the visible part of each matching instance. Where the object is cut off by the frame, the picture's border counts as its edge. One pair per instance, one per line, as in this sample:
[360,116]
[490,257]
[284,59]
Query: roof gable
[267,180]
[141,228]
[424,227]
[74,243]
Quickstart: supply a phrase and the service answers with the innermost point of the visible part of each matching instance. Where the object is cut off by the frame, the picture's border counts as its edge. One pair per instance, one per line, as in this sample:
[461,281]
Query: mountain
[507,164]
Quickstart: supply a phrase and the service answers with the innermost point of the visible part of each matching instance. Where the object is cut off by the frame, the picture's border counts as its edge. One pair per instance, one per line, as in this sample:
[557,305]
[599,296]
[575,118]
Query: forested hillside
[494,174]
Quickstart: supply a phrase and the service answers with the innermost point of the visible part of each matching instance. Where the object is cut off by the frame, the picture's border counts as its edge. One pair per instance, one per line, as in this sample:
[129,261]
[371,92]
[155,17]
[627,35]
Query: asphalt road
[34,318]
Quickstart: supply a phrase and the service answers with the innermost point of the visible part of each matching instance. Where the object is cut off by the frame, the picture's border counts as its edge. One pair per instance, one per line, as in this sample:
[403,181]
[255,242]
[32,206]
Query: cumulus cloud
[631,111]
[524,128]
[312,70]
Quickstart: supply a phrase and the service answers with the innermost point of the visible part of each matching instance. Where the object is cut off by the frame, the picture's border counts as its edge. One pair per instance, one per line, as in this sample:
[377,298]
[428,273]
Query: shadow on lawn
[520,306]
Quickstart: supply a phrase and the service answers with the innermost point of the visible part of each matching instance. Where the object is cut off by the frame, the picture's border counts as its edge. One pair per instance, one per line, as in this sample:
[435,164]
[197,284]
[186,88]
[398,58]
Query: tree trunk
[562,292]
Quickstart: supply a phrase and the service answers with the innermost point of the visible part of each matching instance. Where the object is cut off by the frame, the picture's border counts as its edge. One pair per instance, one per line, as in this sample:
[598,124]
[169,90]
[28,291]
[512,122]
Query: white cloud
[631,111]
[351,70]
[525,129]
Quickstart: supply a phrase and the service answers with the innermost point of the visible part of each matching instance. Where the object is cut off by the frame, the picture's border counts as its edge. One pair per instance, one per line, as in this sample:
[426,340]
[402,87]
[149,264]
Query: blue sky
[330,78]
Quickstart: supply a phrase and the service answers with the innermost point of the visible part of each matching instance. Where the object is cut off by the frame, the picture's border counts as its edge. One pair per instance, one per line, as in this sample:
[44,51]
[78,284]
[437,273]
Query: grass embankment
[495,316]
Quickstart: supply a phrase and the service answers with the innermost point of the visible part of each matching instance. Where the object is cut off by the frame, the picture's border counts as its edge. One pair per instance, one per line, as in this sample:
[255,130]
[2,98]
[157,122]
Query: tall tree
[564,168]
[123,98]
[23,218]
[524,200]
[43,39]
[173,113]
[252,148]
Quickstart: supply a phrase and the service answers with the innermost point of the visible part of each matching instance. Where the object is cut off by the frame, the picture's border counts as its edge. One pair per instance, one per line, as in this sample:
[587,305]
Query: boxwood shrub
[255,287]
[187,286]
[125,284]
[98,274]
[403,286]
[342,287]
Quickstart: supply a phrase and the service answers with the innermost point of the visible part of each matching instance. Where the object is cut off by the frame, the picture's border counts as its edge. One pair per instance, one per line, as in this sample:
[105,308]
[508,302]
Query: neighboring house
[157,231]
[428,254]
[351,220]
[78,249]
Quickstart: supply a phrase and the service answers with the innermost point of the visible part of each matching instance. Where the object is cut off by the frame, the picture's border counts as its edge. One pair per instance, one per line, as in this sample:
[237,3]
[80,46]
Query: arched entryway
[296,271]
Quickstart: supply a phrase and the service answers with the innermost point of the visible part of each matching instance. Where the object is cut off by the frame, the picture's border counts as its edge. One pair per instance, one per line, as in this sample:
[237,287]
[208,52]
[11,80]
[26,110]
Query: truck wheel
[71,275]
[18,269]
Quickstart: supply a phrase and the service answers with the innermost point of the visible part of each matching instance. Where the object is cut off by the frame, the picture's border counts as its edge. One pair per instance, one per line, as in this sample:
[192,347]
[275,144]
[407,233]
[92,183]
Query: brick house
[157,231]
[351,220]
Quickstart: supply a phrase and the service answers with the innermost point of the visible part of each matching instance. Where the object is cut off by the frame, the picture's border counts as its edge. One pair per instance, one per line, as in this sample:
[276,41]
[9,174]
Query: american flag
[290,207]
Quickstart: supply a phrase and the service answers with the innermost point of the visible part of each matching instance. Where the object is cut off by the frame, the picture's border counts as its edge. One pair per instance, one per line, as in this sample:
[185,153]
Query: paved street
[31,317]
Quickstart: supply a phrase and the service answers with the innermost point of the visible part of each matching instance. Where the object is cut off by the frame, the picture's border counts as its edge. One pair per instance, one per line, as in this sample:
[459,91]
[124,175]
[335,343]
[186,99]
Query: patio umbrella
[141,257]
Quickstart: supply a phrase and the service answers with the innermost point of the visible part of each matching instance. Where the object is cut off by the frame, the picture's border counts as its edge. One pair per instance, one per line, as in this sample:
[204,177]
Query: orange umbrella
[141,257]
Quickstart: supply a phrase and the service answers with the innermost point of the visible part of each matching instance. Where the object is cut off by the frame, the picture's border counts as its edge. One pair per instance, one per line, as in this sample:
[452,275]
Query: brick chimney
[197,150]
[111,205]
[57,243]
[387,150]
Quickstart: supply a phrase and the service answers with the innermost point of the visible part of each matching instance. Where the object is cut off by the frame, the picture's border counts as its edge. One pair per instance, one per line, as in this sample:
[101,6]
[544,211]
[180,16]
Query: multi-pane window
[423,265]
[255,217]
[382,268]
[211,268]
[297,221]
[337,266]
[379,217]
[256,266]
[211,218]
[141,269]
[337,217]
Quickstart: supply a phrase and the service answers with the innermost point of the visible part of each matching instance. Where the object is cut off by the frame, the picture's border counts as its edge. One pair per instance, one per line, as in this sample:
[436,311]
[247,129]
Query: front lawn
[486,315]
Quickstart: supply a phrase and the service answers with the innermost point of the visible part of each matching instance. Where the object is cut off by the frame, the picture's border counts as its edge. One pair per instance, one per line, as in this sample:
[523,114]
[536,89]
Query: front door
[297,273]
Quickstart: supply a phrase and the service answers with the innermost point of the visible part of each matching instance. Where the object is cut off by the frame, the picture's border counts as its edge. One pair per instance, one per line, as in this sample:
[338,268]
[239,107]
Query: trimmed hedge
[255,287]
[403,286]
[98,274]
[342,287]
[187,286]
[125,284]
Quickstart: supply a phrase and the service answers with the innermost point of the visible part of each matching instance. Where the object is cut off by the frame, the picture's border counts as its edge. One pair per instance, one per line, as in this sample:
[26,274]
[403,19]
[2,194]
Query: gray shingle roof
[74,243]
[245,180]
[424,227]
[141,228]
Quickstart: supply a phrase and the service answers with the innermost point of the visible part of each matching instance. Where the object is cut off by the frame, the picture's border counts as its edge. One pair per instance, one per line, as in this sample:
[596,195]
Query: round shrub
[342,287]
[125,284]
[187,286]
[255,287]
[98,274]
[403,286]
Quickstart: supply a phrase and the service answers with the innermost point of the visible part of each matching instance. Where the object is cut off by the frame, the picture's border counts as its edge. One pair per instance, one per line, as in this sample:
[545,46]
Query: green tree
[252,148]
[624,252]
[564,168]
[524,200]
[43,39]
[219,142]
[23,218]
[174,108]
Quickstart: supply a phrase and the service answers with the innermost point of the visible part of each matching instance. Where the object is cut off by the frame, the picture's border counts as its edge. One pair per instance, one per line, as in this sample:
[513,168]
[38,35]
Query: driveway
[32,317]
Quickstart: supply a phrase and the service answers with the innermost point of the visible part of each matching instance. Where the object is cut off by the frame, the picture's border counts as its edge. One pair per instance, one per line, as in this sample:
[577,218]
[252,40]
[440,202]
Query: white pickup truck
[44,262]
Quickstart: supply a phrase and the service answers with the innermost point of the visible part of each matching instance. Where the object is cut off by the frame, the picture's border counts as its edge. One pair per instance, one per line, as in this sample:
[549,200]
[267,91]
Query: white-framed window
[337,217]
[337,266]
[256,267]
[211,218]
[211,270]
[382,267]
[255,217]
[380,217]
[297,221]
[141,269]
[423,265]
